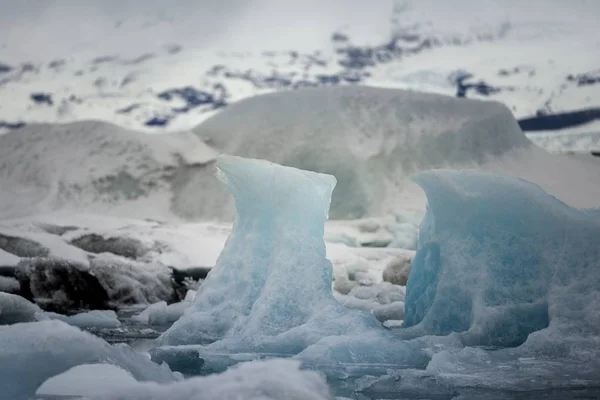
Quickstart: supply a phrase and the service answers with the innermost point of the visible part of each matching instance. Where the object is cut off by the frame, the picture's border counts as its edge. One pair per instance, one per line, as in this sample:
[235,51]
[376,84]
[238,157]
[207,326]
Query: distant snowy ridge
[371,139]
[535,57]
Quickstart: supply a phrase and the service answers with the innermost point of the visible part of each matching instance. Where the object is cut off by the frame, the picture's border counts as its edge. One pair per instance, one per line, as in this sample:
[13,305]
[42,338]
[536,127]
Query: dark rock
[5,68]
[21,247]
[158,121]
[56,64]
[585,79]
[140,59]
[547,122]
[173,48]
[194,273]
[8,271]
[128,109]
[103,59]
[61,286]
[42,98]
[28,67]
[12,125]
[339,37]
[121,246]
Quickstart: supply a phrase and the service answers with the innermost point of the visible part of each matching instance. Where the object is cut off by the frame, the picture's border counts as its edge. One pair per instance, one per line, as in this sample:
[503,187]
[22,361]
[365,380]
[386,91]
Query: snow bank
[33,352]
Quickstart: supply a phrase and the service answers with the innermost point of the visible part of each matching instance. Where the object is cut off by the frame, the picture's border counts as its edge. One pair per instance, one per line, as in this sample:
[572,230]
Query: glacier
[505,275]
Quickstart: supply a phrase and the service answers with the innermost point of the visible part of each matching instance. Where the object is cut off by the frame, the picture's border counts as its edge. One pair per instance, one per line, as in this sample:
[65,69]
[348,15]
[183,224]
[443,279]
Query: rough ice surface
[266,380]
[247,305]
[90,319]
[499,259]
[501,294]
[33,352]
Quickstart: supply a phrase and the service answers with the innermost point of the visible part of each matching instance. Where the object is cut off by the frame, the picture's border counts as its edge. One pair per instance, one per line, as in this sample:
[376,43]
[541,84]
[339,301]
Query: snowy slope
[167,66]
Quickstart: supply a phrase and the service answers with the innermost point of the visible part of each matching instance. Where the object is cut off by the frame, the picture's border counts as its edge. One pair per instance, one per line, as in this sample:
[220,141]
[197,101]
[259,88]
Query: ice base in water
[506,277]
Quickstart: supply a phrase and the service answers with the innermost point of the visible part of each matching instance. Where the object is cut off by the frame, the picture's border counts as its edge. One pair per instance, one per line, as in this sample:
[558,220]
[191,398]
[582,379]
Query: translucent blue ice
[499,259]
[270,292]
[500,263]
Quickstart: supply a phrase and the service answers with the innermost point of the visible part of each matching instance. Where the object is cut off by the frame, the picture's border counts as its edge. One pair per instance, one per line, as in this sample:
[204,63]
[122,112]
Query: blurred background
[161,66]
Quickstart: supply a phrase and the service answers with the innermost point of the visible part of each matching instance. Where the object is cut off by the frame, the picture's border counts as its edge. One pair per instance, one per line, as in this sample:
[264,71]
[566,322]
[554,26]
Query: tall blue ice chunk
[270,291]
[499,259]
[278,231]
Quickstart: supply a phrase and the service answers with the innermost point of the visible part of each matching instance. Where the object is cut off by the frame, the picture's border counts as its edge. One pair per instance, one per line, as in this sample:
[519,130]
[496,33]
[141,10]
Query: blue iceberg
[505,276]
[270,291]
[499,259]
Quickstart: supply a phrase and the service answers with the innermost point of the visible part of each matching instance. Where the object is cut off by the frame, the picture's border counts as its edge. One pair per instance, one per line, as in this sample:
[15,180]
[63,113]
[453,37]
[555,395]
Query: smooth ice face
[499,259]
[277,235]
[33,352]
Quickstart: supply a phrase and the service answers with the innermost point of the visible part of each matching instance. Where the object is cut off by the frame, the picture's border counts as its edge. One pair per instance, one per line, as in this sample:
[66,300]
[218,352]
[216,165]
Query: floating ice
[499,259]
[91,319]
[86,380]
[270,291]
[33,352]
[266,380]
[14,309]
[162,314]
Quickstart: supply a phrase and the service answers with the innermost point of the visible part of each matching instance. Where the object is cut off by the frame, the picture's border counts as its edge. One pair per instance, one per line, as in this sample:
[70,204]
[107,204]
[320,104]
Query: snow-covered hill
[167,66]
